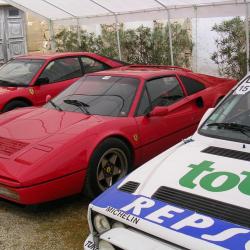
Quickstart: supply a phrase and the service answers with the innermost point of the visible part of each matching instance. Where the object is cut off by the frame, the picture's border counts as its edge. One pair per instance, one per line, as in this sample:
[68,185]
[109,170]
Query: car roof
[53,55]
[143,71]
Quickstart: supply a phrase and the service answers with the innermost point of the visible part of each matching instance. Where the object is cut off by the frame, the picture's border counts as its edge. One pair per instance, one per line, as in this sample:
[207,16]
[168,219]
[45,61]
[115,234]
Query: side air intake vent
[227,153]
[214,208]
[129,187]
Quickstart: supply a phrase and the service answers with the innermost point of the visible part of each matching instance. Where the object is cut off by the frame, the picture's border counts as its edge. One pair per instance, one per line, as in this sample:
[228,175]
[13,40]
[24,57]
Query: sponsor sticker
[136,208]
[215,181]
[243,88]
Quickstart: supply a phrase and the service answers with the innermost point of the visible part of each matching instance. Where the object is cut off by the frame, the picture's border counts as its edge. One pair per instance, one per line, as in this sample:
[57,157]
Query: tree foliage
[141,45]
[231,48]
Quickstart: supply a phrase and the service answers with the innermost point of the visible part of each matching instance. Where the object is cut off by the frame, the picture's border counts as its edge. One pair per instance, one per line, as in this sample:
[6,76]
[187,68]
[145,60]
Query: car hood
[189,169]
[33,125]
[165,199]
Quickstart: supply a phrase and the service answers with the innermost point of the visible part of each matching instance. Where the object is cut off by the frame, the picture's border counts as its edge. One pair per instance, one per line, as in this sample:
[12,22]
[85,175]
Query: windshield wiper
[82,105]
[54,105]
[231,126]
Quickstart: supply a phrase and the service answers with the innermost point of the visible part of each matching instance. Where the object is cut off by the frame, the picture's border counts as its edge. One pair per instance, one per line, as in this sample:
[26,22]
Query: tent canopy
[104,11]
[114,11]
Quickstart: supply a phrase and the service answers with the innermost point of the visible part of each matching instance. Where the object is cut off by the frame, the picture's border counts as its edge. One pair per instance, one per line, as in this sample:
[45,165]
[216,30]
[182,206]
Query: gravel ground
[56,225]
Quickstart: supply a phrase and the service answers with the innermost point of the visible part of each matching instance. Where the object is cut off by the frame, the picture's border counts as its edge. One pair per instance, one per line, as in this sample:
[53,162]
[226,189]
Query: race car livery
[196,195]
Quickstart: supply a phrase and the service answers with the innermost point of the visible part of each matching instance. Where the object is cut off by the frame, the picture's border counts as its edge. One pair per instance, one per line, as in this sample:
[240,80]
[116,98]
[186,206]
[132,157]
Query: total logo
[210,179]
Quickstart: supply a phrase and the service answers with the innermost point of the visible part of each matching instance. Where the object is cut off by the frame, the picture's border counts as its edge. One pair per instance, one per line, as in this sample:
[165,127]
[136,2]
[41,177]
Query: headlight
[9,193]
[104,245]
[101,223]
[118,225]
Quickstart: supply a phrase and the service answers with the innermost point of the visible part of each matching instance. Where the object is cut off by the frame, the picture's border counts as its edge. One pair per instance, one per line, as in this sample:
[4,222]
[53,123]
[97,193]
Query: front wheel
[110,162]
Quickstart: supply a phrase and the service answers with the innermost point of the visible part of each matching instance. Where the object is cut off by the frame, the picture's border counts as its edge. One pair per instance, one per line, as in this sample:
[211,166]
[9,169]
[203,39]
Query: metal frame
[116,15]
[116,26]
[247,34]
[169,30]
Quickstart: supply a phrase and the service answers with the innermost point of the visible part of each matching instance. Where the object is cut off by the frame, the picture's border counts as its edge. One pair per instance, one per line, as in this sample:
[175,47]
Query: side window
[192,86]
[164,91]
[144,104]
[91,65]
[62,69]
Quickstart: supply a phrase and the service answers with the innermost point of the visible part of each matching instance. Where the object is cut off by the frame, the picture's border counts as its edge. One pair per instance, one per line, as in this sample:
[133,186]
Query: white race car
[195,195]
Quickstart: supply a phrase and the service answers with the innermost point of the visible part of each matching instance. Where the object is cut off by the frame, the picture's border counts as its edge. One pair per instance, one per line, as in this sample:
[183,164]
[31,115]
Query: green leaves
[142,45]
[231,48]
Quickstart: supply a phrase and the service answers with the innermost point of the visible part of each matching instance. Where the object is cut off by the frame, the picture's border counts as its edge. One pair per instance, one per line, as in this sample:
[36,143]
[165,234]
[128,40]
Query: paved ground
[56,225]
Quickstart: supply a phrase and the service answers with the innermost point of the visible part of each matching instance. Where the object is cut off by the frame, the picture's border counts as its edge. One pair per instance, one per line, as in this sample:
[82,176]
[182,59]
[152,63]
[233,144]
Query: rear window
[192,86]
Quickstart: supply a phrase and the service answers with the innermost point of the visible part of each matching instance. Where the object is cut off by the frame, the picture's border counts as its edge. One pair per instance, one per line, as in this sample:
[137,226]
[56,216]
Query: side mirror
[205,116]
[159,111]
[42,80]
[48,98]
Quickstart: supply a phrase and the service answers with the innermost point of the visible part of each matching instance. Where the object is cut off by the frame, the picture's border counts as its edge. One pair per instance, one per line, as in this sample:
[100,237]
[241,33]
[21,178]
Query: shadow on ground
[55,225]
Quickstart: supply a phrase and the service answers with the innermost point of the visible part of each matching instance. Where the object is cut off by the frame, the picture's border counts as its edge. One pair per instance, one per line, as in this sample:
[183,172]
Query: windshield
[98,95]
[231,120]
[19,72]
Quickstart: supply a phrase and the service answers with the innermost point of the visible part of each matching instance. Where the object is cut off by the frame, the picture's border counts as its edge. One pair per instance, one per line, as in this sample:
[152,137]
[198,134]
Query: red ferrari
[99,129]
[27,80]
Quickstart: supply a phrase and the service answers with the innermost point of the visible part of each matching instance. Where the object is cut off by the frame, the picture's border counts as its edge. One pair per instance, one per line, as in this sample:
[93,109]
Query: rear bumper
[128,239]
[47,191]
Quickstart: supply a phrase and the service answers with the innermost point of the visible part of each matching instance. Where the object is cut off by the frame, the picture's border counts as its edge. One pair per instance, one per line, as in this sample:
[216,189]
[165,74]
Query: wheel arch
[22,99]
[123,139]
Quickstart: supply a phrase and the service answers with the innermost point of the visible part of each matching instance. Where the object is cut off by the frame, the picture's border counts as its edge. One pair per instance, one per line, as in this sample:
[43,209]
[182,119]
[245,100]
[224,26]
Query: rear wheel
[110,162]
[14,104]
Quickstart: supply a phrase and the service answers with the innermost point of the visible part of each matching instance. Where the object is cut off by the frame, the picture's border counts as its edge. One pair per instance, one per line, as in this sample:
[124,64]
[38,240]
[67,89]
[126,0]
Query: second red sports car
[27,80]
[97,130]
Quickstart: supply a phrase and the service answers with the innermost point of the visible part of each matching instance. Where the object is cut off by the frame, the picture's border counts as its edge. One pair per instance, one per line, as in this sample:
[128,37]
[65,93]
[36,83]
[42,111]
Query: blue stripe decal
[221,233]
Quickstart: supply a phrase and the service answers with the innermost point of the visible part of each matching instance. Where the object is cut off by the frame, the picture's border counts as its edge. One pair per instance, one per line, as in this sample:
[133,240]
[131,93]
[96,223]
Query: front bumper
[129,239]
[47,191]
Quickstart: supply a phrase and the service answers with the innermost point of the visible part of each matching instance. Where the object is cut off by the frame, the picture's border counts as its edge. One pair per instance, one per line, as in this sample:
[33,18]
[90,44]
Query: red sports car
[100,128]
[27,80]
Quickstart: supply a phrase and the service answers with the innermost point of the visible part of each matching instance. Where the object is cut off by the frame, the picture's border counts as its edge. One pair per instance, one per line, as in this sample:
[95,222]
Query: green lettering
[244,186]
[188,179]
[231,181]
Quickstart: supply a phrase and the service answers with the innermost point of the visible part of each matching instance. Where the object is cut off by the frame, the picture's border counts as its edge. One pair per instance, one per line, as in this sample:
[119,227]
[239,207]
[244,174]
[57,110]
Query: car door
[197,94]
[159,132]
[57,76]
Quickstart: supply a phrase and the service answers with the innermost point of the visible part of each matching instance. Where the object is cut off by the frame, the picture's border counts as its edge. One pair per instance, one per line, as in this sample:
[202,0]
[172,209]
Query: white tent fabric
[114,11]
[103,11]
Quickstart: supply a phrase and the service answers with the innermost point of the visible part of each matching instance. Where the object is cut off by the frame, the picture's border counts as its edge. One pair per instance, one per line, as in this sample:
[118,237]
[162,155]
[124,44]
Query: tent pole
[169,30]
[118,38]
[170,39]
[247,34]
[52,35]
[78,32]
[196,39]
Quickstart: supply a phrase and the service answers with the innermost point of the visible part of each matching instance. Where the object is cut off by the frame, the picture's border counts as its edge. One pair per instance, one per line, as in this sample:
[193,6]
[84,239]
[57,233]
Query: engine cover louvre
[129,187]
[207,206]
[227,153]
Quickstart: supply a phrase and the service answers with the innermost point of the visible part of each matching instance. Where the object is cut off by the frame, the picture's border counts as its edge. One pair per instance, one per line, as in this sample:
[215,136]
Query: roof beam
[103,7]
[59,8]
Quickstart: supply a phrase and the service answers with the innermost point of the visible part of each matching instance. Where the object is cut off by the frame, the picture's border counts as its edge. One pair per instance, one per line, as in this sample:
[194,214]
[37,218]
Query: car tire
[110,162]
[14,104]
